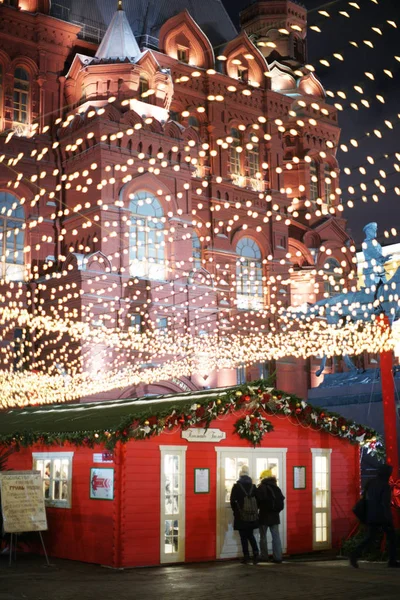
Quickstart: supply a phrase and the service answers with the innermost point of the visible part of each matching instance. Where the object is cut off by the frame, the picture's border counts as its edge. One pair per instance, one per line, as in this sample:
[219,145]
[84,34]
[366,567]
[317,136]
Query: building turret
[263,19]
[119,42]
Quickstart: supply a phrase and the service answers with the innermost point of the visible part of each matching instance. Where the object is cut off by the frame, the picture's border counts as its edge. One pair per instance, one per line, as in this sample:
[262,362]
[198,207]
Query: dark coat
[237,500]
[378,498]
[268,496]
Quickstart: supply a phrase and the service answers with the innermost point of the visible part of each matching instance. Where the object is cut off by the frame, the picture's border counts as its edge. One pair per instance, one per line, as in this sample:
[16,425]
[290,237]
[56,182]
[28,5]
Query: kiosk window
[56,471]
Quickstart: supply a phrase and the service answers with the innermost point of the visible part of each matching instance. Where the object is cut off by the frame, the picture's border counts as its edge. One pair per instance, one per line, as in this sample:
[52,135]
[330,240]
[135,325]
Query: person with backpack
[245,512]
[271,502]
[374,510]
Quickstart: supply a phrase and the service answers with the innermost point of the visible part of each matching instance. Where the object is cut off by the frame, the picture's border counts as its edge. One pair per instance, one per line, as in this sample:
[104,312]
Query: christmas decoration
[253,427]
[254,401]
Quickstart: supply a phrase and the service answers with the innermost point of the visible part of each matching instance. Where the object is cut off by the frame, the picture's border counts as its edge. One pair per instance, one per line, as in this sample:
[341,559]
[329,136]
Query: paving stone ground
[29,579]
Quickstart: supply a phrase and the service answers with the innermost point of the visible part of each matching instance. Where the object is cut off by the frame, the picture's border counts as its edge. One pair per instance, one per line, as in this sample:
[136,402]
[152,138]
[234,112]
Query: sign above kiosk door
[199,434]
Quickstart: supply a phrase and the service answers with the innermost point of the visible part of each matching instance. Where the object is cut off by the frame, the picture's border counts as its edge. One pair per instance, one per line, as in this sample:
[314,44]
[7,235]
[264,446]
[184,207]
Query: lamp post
[389,405]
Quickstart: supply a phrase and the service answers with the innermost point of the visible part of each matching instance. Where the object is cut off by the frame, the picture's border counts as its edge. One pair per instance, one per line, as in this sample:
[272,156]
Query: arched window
[144,87]
[332,277]
[146,256]
[21,95]
[298,48]
[194,123]
[327,183]
[196,251]
[183,54]
[12,235]
[313,180]
[253,159]
[249,273]
[234,155]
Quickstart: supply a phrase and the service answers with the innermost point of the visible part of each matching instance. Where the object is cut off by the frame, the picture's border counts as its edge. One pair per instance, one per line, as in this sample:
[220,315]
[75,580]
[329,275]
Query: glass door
[321,498]
[172,504]
[230,461]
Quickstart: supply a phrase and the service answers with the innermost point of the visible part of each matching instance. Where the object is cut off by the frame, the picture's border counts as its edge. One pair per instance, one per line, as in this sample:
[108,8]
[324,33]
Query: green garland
[257,399]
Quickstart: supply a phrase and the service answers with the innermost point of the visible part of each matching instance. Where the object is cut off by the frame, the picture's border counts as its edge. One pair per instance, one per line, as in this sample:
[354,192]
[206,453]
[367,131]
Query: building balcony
[252,183]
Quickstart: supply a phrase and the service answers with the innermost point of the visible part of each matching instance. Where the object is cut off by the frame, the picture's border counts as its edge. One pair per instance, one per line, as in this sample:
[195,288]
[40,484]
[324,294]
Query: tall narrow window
[253,159]
[12,235]
[243,74]
[249,273]
[234,154]
[21,95]
[183,54]
[327,183]
[146,237]
[332,277]
[173,503]
[144,87]
[194,123]
[241,375]
[321,497]
[313,180]
[196,251]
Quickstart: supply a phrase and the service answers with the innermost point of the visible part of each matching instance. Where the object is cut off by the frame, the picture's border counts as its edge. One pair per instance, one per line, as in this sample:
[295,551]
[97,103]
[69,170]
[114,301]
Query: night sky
[337,31]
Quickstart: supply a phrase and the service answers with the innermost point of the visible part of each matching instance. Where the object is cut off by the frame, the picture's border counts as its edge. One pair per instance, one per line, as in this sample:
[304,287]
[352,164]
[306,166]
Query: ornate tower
[262,21]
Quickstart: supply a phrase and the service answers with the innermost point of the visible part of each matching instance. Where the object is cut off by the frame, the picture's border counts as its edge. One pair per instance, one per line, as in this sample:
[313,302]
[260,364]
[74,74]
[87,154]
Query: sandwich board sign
[22,501]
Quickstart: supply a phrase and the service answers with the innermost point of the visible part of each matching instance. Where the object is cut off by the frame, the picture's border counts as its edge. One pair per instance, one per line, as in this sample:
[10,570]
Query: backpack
[249,511]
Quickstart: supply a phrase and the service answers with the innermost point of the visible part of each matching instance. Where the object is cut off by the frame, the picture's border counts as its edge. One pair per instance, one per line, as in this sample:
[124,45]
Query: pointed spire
[119,41]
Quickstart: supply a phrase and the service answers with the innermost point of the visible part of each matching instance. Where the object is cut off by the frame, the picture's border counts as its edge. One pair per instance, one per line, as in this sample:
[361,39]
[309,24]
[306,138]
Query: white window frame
[326,452]
[314,183]
[179,556]
[53,456]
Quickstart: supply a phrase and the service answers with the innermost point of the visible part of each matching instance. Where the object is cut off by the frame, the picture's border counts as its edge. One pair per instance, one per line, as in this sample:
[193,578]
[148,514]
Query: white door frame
[221,501]
[180,556]
[327,452]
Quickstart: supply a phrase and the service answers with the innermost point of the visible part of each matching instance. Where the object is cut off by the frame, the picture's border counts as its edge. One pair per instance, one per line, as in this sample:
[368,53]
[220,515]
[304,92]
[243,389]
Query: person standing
[244,505]
[378,516]
[271,502]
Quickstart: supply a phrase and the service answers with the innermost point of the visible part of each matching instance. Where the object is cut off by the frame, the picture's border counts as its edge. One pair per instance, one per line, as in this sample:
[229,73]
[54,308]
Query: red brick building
[184,177]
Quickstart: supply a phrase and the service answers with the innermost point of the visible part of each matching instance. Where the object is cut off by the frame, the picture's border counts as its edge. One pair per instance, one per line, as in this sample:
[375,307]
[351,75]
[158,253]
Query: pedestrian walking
[378,516]
[245,511]
[271,502]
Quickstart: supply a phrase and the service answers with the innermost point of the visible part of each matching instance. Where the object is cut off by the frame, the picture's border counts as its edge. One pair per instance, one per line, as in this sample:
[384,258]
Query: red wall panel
[126,531]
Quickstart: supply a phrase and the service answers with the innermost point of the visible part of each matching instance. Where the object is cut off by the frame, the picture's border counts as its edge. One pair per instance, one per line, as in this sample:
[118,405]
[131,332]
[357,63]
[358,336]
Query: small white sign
[202,481]
[199,434]
[102,484]
[104,457]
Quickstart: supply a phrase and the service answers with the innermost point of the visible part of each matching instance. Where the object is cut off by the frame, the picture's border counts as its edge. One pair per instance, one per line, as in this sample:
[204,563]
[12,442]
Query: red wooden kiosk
[147,481]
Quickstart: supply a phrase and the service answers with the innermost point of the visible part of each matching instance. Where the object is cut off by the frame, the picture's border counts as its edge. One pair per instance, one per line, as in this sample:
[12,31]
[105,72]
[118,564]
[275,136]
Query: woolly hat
[266,473]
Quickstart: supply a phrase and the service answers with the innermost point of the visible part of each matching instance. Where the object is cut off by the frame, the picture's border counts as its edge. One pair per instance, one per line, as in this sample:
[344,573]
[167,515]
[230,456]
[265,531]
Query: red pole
[389,406]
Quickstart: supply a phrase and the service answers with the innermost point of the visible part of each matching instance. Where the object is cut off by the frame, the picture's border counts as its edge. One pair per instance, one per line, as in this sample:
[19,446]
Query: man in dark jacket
[378,515]
[242,488]
[270,502]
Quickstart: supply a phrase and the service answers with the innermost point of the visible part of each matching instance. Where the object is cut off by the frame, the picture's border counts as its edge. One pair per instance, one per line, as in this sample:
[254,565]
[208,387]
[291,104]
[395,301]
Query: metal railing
[90,33]
[94,32]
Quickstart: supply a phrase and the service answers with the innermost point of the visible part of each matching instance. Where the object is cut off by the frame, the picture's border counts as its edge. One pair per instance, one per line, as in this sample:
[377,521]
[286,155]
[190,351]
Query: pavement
[30,579]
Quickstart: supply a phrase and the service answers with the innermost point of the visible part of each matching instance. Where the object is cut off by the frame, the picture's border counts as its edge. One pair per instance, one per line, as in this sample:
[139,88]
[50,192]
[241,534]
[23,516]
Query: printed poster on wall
[102,484]
[22,501]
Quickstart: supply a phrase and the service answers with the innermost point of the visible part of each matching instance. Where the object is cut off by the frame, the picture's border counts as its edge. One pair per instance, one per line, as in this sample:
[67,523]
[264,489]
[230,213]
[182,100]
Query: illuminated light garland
[185,355]
[155,347]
